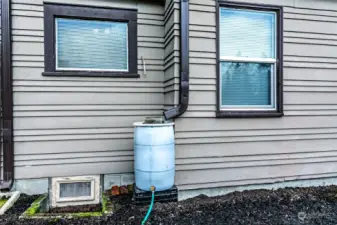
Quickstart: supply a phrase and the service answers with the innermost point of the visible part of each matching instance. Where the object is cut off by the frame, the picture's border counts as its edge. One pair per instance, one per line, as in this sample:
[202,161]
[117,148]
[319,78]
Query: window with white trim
[249,61]
[79,190]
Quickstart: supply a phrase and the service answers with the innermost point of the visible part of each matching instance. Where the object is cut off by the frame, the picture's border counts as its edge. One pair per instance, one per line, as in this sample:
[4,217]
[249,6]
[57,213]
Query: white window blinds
[247,59]
[91,45]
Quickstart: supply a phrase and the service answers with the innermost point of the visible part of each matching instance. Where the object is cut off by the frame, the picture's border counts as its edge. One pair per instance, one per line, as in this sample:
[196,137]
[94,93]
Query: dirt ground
[75,209]
[317,205]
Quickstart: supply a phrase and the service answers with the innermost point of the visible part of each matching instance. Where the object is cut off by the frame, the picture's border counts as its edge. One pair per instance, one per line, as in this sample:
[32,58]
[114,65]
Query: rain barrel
[154,163]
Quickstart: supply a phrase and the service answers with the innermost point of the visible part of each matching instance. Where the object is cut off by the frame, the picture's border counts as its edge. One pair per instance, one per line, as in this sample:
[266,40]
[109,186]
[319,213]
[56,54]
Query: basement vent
[70,191]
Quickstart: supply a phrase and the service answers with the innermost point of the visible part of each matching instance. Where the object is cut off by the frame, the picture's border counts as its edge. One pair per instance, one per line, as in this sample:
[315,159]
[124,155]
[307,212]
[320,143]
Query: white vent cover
[70,191]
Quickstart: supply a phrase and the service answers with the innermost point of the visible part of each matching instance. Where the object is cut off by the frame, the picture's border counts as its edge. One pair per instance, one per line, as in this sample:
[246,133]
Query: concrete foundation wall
[40,186]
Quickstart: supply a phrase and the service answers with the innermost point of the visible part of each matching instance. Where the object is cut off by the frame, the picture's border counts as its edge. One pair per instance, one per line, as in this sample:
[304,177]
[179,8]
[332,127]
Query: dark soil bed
[74,209]
[285,206]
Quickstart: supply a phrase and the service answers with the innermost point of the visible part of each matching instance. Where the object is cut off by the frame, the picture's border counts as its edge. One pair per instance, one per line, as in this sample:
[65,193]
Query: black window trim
[51,11]
[279,45]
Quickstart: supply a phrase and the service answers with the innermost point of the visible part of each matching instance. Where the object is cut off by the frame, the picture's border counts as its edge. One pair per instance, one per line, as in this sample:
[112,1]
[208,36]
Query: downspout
[184,64]
[7,177]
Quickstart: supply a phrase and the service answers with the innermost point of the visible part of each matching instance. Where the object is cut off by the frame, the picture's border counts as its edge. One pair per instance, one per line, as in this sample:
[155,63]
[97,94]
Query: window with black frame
[90,41]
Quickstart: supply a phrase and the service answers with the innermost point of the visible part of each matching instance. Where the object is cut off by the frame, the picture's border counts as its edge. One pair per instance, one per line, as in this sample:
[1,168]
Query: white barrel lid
[142,124]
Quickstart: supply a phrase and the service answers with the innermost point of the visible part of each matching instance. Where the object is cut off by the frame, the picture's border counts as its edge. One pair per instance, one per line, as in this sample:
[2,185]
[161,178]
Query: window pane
[246,84]
[245,33]
[78,189]
[91,45]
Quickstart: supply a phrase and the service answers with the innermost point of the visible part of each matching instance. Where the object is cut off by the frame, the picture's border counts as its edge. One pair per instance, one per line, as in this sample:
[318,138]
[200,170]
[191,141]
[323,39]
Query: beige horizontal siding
[171,53]
[215,152]
[34,170]
[73,126]
[81,125]
[191,179]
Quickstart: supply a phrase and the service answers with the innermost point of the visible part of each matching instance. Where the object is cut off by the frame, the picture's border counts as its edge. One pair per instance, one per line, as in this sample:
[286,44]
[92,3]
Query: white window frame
[89,69]
[57,201]
[271,61]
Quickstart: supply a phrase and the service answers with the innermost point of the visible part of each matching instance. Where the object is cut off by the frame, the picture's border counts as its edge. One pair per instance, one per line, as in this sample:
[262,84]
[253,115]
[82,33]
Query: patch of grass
[104,203]
[31,211]
[3,201]
[35,206]
[94,214]
[34,210]
[86,214]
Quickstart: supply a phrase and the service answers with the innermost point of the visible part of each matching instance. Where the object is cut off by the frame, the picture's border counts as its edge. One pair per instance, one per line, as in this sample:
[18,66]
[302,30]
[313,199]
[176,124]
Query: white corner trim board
[13,197]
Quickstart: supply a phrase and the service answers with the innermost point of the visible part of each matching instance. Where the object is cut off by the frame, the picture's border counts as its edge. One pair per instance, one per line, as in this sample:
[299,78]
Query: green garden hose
[151,206]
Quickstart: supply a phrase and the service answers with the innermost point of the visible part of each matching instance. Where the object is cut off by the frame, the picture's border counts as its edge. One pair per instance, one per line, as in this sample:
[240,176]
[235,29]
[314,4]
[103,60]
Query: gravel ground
[284,206]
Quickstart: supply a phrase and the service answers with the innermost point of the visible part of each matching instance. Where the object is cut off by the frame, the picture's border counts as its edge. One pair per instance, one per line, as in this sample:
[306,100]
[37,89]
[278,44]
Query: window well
[72,191]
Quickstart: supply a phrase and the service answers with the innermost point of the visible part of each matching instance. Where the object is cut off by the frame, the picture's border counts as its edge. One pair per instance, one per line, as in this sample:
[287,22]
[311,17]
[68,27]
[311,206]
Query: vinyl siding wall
[221,152]
[76,125]
[171,81]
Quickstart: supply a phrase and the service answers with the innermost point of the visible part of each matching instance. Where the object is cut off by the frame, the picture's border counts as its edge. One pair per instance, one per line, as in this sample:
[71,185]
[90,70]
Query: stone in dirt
[115,191]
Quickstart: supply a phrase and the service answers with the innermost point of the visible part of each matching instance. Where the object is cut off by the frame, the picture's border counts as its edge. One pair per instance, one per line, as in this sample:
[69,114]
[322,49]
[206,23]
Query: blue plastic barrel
[154,156]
